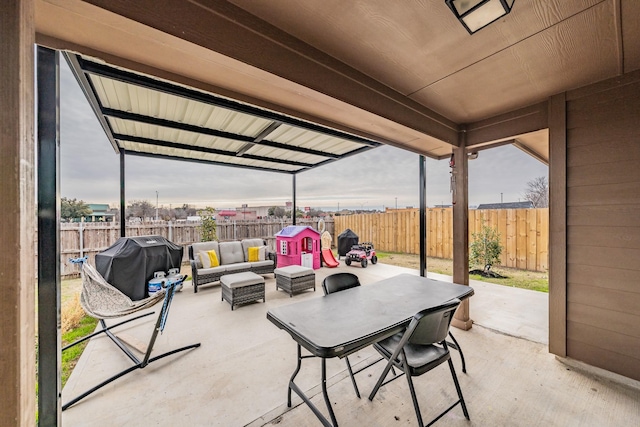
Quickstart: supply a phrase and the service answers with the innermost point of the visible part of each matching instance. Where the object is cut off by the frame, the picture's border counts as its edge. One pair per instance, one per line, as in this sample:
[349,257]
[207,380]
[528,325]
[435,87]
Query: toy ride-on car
[362,253]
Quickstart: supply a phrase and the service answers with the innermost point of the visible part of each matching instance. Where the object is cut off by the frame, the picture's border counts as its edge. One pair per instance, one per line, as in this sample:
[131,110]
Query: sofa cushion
[267,263]
[262,253]
[231,253]
[203,256]
[213,258]
[217,270]
[254,254]
[250,243]
[239,266]
[205,246]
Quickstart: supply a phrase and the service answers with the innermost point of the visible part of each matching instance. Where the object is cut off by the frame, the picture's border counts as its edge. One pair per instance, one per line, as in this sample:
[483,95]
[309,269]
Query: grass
[524,279]
[70,357]
[75,324]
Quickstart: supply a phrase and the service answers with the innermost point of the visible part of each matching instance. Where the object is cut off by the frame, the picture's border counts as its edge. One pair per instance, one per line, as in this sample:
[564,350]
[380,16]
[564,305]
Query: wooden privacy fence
[88,239]
[524,233]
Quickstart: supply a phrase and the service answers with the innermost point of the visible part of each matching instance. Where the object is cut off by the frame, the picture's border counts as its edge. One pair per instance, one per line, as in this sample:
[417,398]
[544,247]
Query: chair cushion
[231,253]
[238,266]
[262,253]
[205,246]
[205,260]
[267,263]
[254,254]
[293,271]
[239,280]
[213,258]
[213,270]
[250,243]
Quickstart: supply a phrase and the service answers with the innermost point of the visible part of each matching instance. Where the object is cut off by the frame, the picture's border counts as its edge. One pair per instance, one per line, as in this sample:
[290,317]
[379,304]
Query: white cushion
[204,259]
[231,253]
[262,253]
[256,264]
[218,270]
[293,271]
[239,280]
[238,266]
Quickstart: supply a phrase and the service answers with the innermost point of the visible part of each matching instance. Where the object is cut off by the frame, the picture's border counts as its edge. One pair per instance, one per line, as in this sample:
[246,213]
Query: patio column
[293,208]
[423,216]
[123,227]
[17,214]
[460,171]
[49,385]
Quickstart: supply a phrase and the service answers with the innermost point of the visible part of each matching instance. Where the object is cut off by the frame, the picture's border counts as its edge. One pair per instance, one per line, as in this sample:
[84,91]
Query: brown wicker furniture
[295,278]
[240,288]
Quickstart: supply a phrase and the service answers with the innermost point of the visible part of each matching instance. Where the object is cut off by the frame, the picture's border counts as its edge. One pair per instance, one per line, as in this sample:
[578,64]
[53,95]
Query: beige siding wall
[603,226]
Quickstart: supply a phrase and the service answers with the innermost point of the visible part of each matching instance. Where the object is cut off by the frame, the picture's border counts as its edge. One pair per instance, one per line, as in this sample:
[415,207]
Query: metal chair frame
[430,335]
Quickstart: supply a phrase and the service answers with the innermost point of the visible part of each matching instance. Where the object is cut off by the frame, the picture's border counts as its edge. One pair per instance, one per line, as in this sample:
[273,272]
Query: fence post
[81,236]
[170,232]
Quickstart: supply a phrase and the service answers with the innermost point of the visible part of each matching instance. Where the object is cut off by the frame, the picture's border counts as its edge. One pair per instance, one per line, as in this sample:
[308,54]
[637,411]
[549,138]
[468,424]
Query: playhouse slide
[328,258]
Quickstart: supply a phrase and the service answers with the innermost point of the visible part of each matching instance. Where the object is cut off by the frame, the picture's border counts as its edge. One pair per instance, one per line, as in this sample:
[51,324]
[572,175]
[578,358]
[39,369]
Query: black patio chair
[102,301]
[340,282]
[418,350]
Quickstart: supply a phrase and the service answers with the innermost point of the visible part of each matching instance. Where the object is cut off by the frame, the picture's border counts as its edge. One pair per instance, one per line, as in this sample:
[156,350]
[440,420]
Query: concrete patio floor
[239,376]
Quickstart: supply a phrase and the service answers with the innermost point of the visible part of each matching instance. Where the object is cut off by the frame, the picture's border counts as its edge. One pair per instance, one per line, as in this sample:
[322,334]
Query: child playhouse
[298,245]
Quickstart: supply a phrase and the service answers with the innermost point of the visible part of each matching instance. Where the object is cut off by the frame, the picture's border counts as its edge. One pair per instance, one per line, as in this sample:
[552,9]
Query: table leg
[293,386]
[324,392]
[295,373]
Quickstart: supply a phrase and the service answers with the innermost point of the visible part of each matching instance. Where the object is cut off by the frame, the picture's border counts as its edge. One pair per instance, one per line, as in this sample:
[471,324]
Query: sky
[379,178]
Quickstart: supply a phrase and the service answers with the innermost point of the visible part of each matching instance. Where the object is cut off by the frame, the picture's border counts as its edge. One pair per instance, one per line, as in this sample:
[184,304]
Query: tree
[537,192]
[142,209]
[485,250]
[208,227]
[72,209]
[276,211]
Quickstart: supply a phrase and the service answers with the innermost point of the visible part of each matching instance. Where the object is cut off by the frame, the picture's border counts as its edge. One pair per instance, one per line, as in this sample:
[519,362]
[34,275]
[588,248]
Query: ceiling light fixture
[474,15]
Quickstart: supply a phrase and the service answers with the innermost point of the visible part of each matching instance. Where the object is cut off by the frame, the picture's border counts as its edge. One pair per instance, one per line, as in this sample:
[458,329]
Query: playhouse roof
[294,230]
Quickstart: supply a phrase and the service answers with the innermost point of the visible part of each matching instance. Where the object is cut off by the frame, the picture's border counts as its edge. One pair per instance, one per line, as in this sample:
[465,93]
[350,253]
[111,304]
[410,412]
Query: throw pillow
[262,253]
[254,254]
[213,258]
[204,259]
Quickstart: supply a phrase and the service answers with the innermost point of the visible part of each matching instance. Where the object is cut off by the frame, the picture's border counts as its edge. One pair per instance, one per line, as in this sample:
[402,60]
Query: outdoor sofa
[233,257]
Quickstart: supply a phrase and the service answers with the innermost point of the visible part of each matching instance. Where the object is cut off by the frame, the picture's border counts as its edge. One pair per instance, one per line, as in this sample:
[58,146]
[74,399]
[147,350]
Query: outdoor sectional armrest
[194,275]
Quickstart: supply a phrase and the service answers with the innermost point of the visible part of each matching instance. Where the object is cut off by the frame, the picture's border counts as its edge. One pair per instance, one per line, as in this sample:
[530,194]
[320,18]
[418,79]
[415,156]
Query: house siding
[603,225]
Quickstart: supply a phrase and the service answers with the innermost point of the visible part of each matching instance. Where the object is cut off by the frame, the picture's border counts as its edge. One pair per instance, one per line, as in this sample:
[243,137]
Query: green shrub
[485,250]
[208,227]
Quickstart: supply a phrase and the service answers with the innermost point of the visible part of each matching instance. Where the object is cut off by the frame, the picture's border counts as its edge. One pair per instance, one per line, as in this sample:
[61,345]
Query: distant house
[99,213]
[509,205]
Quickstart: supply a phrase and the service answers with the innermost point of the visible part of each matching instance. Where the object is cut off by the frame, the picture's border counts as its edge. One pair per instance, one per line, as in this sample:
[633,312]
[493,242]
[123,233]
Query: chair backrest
[339,282]
[432,325]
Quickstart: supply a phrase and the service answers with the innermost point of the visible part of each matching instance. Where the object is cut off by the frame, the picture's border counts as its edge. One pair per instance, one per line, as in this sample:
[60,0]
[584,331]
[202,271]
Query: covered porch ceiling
[407,75]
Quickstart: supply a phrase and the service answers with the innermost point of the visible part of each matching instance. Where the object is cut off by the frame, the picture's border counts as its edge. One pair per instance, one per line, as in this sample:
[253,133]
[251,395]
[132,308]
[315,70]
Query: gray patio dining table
[344,322]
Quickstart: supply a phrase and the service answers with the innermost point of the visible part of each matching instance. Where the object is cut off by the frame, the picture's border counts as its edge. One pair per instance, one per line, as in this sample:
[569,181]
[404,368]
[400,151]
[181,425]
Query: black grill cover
[346,239]
[130,262]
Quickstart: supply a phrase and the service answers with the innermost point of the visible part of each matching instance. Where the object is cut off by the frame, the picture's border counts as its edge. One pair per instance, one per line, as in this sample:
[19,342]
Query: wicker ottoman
[240,288]
[295,278]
